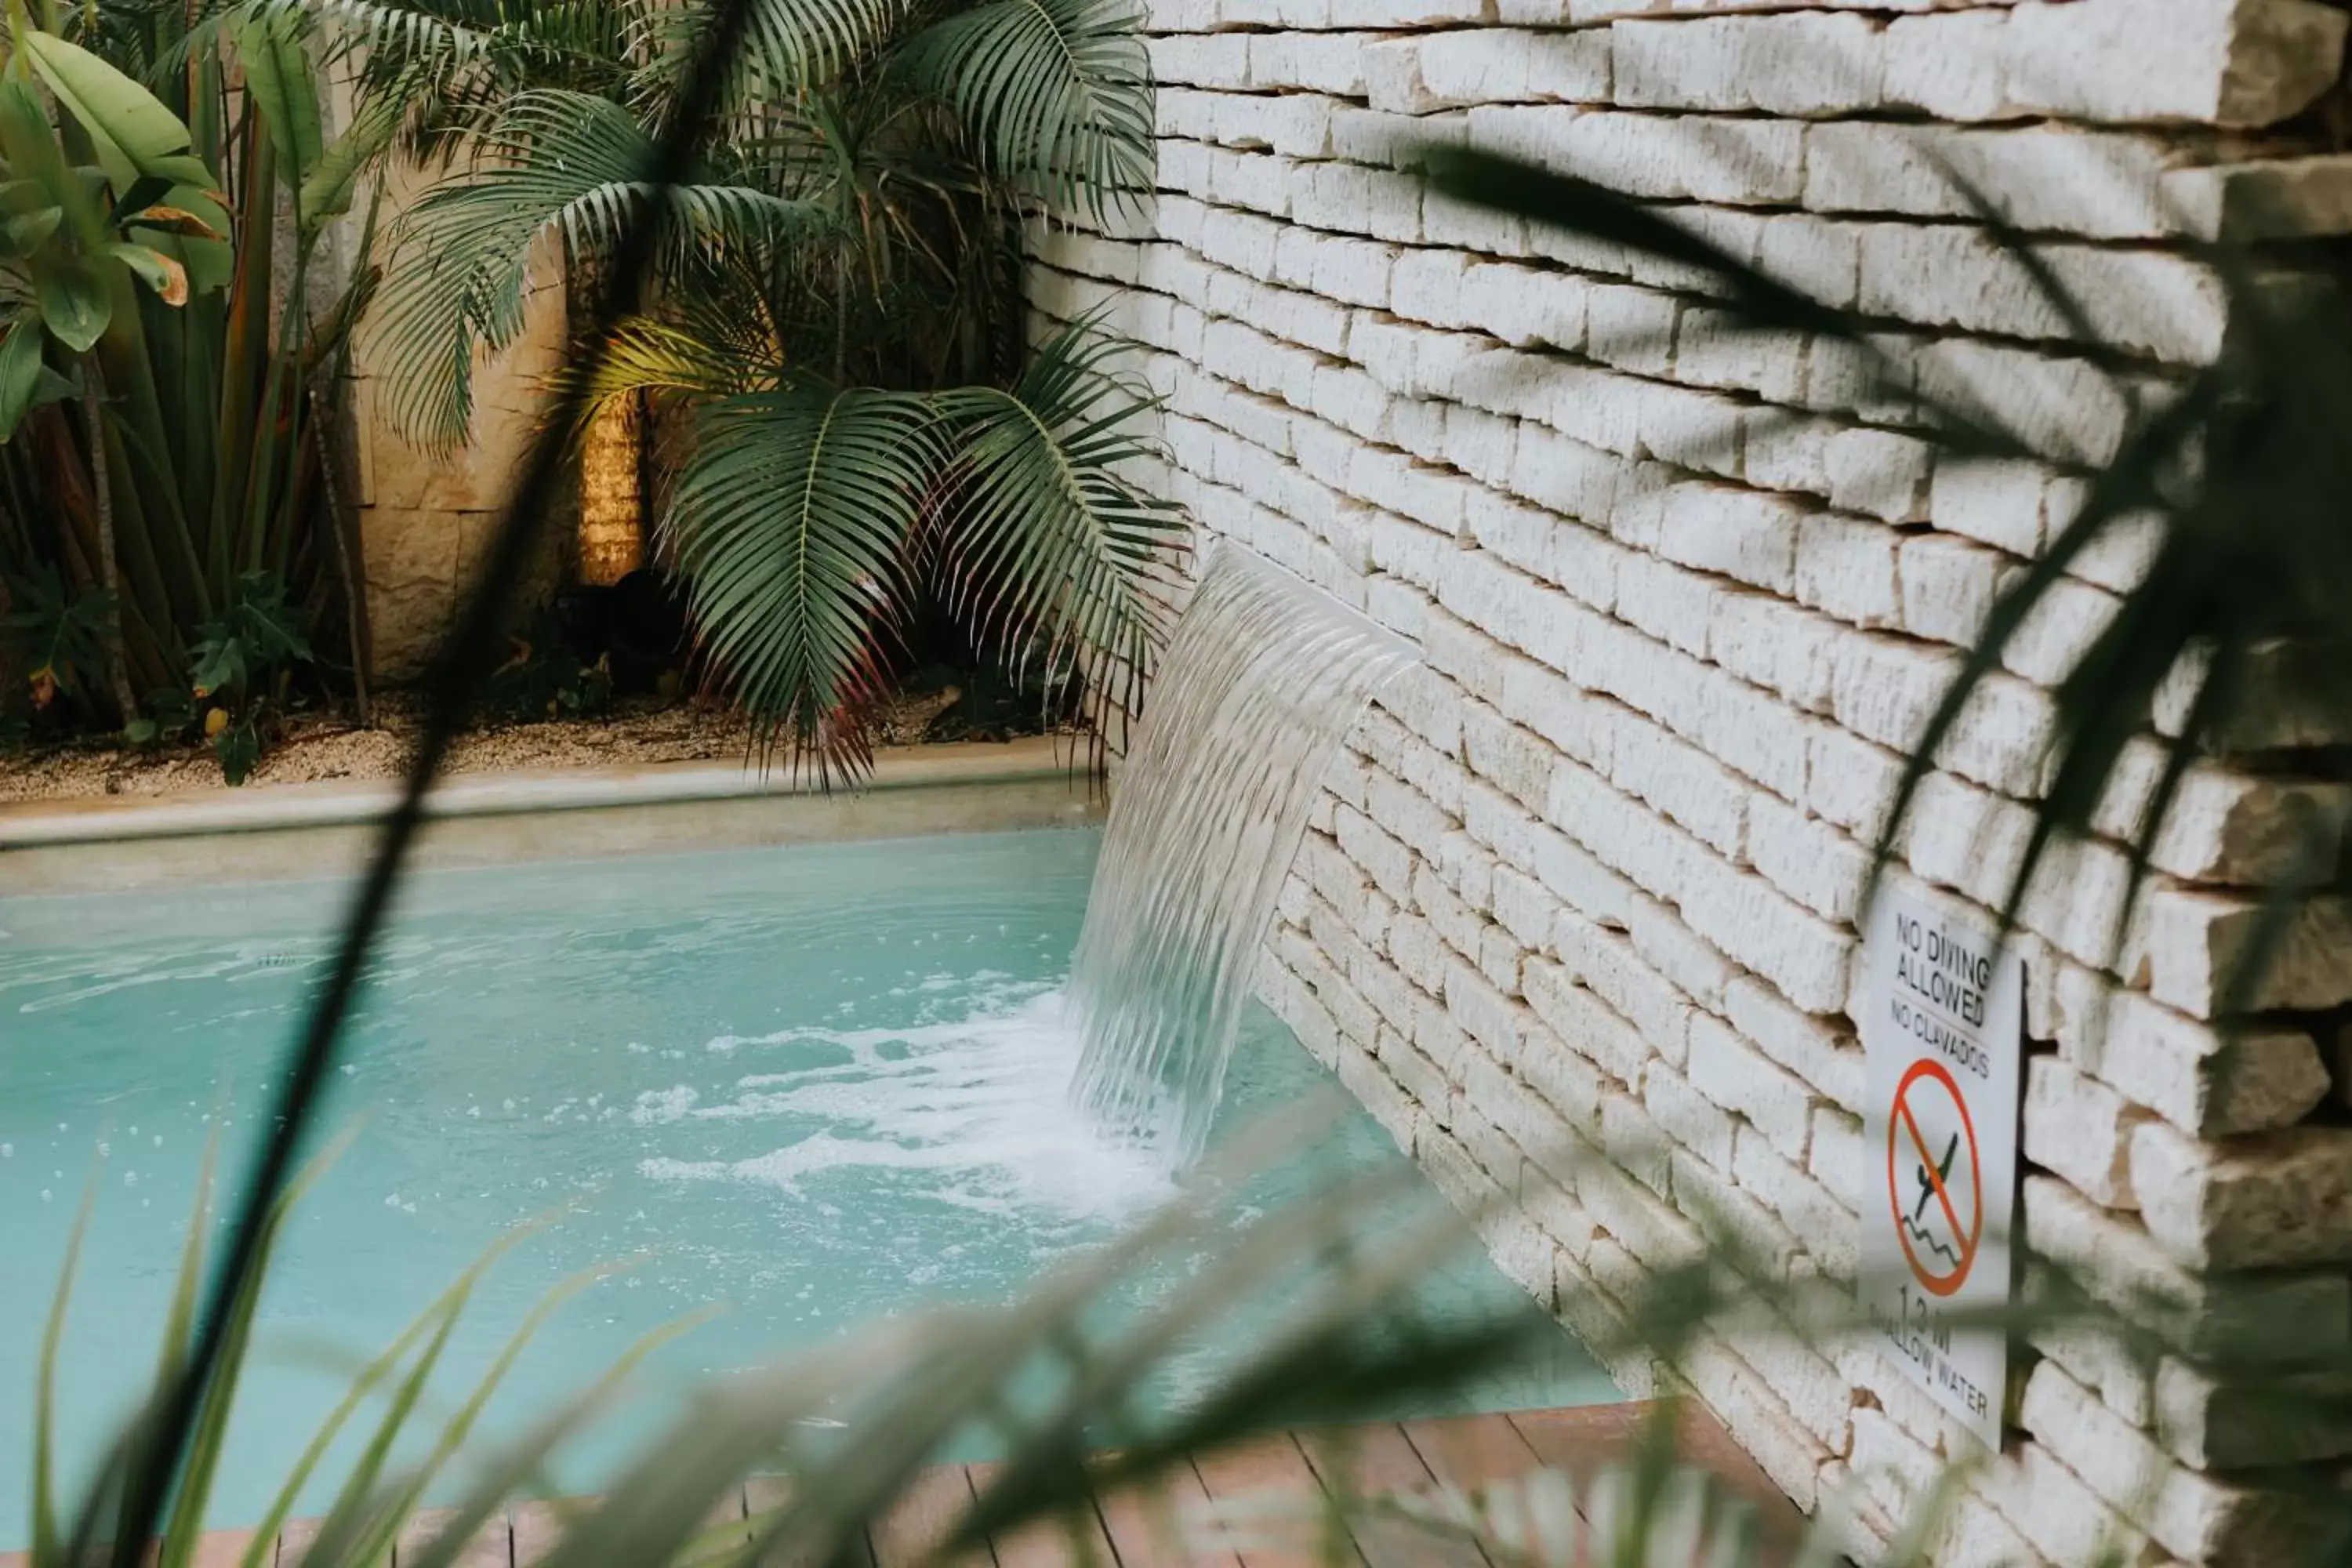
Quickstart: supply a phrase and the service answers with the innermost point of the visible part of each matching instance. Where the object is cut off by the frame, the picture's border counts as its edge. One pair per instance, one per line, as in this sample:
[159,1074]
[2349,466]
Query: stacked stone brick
[1577,921]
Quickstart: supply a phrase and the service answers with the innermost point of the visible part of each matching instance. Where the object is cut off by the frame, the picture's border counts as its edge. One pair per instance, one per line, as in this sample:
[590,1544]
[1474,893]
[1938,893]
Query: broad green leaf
[220,665]
[74,305]
[184,210]
[239,747]
[133,133]
[20,373]
[333,180]
[210,264]
[281,82]
[160,272]
[27,232]
[30,150]
[50,387]
[190,227]
[144,193]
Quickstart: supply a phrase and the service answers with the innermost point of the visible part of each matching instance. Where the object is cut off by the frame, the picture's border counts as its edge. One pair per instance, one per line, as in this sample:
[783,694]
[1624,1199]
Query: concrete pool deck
[1387,1458]
[277,832]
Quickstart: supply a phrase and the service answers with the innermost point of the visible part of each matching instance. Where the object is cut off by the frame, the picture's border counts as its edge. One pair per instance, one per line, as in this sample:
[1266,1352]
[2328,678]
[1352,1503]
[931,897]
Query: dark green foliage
[855,427]
[163,385]
[1052,94]
[547,677]
[242,669]
[258,637]
[793,525]
[54,639]
[241,673]
[1053,540]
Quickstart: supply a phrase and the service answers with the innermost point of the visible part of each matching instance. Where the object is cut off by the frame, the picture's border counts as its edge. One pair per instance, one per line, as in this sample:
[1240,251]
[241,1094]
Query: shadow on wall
[1703,567]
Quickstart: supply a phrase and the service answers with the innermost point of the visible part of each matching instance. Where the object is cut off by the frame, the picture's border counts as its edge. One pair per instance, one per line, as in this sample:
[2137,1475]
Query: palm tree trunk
[93,406]
[612,491]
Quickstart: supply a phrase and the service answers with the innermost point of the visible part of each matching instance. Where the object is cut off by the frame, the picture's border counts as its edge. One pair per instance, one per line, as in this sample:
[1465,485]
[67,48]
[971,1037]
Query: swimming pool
[822,1084]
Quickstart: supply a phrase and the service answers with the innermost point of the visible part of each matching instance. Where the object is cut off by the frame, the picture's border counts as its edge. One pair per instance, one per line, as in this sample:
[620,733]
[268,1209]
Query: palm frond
[457,52]
[416,35]
[790,522]
[788,47]
[649,355]
[1055,95]
[567,168]
[1046,538]
[2234,636]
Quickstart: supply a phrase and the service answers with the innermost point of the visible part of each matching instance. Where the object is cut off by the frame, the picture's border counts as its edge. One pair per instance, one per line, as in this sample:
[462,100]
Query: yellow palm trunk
[612,500]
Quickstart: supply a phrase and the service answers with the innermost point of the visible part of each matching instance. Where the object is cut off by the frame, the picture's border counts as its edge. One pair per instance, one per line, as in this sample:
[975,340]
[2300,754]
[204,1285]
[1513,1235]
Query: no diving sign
[1942,1026]
[1942,1232]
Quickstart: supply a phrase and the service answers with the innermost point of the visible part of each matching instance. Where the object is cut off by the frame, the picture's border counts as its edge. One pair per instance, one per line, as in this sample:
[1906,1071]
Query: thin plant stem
[354,587]
[118,641]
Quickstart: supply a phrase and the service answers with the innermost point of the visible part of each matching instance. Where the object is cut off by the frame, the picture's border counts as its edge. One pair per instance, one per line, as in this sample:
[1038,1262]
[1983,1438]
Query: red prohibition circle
[1898,1117]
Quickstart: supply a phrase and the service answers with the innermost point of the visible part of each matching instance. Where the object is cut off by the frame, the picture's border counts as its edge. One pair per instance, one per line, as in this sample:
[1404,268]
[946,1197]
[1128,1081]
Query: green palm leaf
[447,43]
[1055,95]
[1046,537]
[565,166]
[648,356]
[789,45]
[792,521]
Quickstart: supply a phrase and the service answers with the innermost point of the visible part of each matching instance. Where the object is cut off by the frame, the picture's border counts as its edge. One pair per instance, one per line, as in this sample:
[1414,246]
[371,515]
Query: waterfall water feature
[1259,687]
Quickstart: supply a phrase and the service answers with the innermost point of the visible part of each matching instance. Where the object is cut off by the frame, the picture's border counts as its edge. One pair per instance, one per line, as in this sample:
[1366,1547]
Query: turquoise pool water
[822,1086]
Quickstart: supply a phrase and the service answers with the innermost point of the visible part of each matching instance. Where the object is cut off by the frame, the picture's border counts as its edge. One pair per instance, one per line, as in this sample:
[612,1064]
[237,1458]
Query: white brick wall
[1577,920]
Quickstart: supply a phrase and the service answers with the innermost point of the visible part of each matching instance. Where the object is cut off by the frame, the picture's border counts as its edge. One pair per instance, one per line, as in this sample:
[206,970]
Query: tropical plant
[243,667]
[834,338]
[545,678]
[77,239]
[60,638]
[141,254]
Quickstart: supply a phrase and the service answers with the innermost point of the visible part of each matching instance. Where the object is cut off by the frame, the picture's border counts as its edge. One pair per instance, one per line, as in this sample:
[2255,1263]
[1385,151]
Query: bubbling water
[1262,681]
[947,1111]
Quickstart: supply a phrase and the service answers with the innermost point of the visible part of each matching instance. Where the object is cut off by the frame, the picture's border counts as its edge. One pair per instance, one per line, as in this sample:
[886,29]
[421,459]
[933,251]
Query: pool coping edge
[278,807]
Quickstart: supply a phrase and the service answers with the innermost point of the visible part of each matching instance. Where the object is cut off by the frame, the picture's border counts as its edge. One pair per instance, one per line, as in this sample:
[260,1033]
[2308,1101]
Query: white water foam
[977,1109]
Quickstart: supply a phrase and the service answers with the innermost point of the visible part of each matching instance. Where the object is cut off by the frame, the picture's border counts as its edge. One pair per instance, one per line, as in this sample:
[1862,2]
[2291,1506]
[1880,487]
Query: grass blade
[44,1398]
